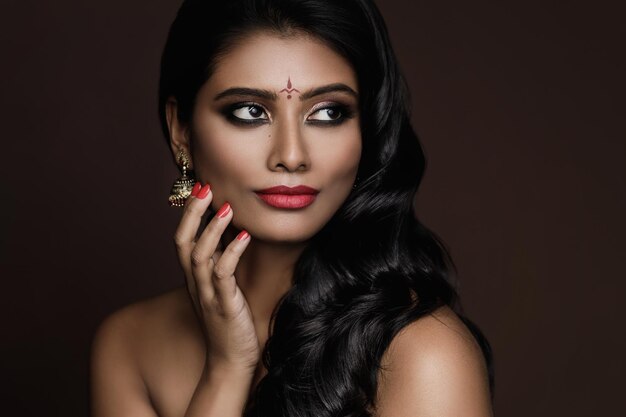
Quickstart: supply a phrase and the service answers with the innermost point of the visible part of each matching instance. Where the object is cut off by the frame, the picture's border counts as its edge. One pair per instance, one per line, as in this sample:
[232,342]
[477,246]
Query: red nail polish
[242,235]
[196,188]
[204,192]
[223,211]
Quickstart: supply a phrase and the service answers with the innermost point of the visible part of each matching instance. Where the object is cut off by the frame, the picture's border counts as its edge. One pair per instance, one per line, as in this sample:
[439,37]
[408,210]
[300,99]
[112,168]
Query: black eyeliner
[228,113]
[346,113]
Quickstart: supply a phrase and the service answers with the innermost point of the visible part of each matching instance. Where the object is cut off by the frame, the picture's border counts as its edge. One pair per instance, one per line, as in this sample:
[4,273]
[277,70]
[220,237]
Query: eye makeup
[228,113]
[338,113]
[344,112]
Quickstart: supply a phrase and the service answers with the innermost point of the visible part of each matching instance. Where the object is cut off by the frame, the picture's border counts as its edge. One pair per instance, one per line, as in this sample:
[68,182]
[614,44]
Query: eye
[328,114]
[248,112]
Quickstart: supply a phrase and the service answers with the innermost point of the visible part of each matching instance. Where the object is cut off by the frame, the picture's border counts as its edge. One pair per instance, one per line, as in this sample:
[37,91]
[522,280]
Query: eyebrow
[243,91]
[271,95]
[328,89]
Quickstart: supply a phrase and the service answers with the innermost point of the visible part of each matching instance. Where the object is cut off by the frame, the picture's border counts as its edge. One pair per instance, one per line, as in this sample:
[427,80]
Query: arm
[434,368]
[221,392]
[233,349]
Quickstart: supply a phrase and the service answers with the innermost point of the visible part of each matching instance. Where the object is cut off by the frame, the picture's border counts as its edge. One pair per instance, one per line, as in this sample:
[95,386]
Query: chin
[287,233]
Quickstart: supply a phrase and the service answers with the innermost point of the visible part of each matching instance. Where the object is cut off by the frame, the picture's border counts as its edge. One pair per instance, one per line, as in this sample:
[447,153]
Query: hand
[227,323]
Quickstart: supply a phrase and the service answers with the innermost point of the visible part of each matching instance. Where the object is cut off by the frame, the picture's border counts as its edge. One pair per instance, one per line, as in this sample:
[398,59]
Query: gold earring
[182,186]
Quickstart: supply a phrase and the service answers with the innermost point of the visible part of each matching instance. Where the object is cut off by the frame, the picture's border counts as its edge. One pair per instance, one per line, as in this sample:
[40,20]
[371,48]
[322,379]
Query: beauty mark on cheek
[288,90]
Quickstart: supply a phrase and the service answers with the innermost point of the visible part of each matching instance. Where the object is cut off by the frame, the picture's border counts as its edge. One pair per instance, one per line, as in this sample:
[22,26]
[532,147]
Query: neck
[264,274]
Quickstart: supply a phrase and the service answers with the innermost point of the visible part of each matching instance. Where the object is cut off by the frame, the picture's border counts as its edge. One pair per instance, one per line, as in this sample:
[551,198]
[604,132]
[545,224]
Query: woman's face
[278,111]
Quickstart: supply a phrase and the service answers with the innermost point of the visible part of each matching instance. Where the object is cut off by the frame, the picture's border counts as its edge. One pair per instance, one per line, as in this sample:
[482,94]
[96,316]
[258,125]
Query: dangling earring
[182,186]
[356,181]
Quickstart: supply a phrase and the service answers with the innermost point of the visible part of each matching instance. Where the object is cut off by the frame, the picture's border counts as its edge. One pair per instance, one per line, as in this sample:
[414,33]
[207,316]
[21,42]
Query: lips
[283,189]
[288,197]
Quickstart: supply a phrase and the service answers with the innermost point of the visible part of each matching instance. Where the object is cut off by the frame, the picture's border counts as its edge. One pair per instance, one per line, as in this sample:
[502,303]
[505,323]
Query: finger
[224,281]
[197,186]
[203,253]
[208,242]
[195,207]
[217,254]
[185,234]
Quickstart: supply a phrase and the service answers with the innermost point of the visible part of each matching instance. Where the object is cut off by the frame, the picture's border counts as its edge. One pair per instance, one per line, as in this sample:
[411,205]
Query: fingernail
[223,211]
[242,235]
[196,188]
[204,192]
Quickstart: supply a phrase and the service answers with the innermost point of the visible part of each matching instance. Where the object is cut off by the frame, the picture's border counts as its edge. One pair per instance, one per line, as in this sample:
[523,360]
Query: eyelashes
[245,113]
[251,114]
[333,115]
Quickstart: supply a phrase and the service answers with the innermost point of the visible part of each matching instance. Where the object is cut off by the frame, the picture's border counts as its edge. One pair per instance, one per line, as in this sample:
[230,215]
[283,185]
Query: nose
[288,151]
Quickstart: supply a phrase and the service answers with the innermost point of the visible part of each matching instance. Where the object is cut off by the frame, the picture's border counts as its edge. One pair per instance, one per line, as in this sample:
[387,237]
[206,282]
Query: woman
[312,290]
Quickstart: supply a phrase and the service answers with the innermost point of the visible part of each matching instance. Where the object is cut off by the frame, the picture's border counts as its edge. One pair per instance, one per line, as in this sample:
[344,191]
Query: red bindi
[288,90]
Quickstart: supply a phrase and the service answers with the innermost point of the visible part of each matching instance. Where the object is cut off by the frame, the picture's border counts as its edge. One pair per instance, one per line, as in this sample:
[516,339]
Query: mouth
[288,197]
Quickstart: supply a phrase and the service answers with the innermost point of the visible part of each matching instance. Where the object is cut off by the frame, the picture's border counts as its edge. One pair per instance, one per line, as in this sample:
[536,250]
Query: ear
[179,134]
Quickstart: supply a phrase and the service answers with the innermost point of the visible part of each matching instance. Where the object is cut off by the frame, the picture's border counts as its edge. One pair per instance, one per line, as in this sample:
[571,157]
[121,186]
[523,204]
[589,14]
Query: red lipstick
[288,197]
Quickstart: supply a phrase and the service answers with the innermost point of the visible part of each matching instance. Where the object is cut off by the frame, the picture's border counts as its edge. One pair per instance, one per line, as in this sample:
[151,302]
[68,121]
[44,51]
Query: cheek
[342,155]
[224,159]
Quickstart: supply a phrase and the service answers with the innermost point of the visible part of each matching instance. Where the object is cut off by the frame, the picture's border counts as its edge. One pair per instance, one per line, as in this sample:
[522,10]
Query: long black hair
[373,268]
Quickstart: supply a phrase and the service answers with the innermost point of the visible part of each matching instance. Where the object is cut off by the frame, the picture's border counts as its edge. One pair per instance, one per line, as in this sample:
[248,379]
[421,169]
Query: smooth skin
[195,351]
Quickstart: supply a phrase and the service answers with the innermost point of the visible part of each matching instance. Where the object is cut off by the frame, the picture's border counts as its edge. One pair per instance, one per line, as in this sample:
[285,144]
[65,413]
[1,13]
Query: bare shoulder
[434,367]
[121,348]
[145,319]
[441,332]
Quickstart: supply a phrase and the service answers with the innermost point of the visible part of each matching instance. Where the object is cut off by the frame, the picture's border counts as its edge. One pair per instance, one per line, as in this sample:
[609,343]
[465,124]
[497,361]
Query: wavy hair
[373,268]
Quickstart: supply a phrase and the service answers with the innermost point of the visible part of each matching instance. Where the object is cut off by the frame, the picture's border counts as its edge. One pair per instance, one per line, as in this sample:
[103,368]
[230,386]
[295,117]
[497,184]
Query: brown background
[520,109]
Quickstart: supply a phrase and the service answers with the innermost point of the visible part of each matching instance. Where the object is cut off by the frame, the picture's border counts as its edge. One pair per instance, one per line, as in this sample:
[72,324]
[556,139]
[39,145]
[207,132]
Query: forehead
[266,60]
